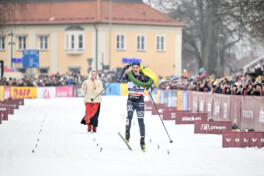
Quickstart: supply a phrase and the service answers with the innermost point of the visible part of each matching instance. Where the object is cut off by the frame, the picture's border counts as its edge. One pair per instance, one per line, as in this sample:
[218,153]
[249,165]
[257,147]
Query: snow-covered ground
[45,137]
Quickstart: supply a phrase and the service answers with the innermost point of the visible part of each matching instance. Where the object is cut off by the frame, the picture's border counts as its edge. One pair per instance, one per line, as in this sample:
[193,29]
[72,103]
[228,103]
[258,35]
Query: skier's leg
[140,115]
[130,111]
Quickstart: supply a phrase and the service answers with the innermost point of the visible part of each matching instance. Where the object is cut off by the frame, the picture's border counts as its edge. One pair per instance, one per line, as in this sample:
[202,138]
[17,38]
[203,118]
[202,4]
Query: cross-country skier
[92,87]
[135,100]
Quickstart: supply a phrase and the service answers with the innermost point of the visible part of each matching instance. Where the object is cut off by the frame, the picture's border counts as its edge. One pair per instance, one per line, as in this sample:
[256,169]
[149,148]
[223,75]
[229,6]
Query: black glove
[123,71]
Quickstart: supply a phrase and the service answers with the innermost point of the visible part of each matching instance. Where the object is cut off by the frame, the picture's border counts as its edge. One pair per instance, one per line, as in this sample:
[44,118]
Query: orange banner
[179,100]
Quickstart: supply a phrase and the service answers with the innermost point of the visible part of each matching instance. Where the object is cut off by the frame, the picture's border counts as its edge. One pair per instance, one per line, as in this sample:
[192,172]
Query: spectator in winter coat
[92,87]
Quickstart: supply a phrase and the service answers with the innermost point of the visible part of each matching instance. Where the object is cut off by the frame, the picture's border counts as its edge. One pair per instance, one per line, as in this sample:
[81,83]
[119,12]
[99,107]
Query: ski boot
[142,144]
[127,135]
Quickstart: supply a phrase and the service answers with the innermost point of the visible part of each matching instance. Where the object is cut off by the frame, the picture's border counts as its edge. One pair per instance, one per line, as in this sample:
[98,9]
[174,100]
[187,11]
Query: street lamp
[11,34]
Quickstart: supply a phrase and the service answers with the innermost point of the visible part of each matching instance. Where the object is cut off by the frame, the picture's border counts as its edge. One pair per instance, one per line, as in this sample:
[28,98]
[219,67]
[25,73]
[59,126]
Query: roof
[94,11]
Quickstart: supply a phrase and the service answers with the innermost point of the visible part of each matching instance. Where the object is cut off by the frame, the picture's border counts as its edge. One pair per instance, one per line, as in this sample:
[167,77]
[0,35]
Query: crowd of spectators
[57,79]
[248,83]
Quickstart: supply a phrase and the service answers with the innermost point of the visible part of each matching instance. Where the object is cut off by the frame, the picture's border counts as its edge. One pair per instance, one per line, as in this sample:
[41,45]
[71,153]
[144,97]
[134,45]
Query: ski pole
[92,99]
[160,118]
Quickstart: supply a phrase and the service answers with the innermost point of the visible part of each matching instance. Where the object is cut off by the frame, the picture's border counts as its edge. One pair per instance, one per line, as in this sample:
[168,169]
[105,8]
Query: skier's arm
[122,76]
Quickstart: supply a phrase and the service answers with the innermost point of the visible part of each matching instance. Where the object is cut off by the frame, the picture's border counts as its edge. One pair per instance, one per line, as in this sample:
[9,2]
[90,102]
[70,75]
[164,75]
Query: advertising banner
[169,98]
[243,139]
[216,107]
[46,92]
[179,100]
[225,108]
[170,114]
[189,101]
[184,100]
[159,107]
[174,99]
[195,102]
[64,91]
[235,110]
[23,92]
[4,113]
[248,112]
[148,105]
[162,97]
[212,127]
[124,89]
[209,105]
[202,101]
[158,97]
[190,118]
[259,114]
[113,89]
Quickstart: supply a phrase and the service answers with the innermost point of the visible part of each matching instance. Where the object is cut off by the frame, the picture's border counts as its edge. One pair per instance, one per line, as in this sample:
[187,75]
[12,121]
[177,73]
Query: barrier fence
[243,111]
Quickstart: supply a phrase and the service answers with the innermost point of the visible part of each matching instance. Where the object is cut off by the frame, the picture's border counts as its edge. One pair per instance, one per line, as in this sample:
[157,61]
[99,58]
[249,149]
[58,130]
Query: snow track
[45,137]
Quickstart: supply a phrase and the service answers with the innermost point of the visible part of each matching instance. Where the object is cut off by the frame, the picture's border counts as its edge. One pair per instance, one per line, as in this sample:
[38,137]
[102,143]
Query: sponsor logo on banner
[248,114]
[245,139]
[21,93]
[209,107]
[191,118]
[217,109]
[173,115]
[261,115]
[46,93]
[2,109]
[207,127]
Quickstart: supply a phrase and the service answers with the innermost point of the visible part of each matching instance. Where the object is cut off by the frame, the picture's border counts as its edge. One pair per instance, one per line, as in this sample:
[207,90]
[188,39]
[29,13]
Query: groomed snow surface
[45,137]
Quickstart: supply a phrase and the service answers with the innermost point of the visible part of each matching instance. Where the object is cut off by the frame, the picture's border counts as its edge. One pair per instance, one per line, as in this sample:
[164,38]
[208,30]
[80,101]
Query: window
[74,41]
[2,43]
[80,41]
[160,43]
[22,42]
[141,42]
[120,42]
[43,42]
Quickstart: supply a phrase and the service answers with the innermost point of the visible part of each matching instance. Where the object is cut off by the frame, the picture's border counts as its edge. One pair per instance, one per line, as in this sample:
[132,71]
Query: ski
[127,144]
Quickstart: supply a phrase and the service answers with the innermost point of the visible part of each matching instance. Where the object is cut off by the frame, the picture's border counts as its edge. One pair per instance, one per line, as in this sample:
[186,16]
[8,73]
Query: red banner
[248,112]
[190,118]
[209,105]
[243,139]
[148,105]
[4,114]
[202,101]
[159,107]
[195,102]
[212,127]
[225,108]
[235,110]
[170,114]
[216,107]
[259,114]
[189,100]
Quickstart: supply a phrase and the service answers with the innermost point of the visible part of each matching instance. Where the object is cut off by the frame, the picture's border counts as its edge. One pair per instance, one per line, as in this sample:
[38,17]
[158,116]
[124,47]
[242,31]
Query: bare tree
[211,30]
